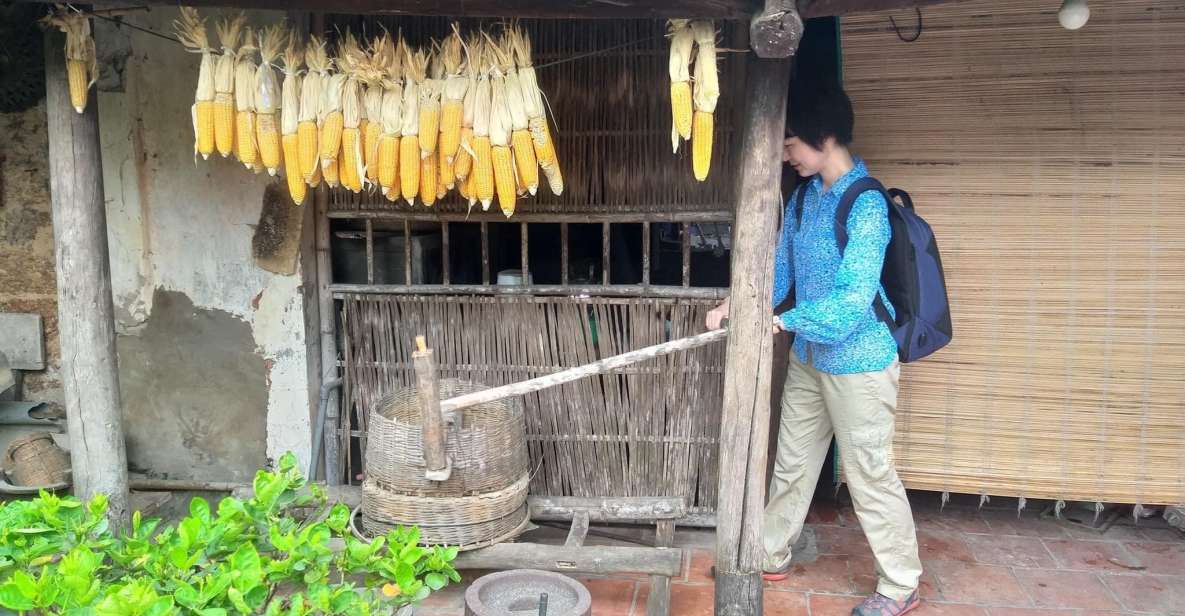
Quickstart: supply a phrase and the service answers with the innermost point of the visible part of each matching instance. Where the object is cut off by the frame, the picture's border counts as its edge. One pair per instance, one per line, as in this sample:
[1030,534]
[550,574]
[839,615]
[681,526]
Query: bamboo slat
[1052,166]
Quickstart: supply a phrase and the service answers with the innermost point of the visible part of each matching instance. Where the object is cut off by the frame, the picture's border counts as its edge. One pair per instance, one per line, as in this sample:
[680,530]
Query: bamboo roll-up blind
[1051,164]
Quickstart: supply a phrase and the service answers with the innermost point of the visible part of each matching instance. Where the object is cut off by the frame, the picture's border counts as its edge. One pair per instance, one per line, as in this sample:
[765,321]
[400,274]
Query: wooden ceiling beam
[832,8]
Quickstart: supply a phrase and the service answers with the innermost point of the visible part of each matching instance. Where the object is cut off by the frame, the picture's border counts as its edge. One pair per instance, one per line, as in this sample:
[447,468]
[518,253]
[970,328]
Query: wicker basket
[468,522]
[464,537]
[36,460]
[488,445]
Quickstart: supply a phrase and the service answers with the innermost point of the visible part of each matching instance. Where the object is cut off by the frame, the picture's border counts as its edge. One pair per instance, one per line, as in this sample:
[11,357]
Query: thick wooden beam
[607,509]
[439,467]
[776,31]
[600,560]
[830,8]
[745,415]
[86,316]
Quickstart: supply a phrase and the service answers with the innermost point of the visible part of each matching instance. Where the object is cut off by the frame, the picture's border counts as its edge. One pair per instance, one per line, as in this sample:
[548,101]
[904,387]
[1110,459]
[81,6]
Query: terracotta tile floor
[988,562]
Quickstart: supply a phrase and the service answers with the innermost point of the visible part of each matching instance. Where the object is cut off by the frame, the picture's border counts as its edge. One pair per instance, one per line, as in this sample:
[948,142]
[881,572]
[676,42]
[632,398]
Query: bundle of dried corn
[456,86]
[191,31]
[544,146]
[505,180]
[707,92]
[520,138]
[317,61]
[390,60]
[483,166]
[290,119]
[331,119]
[463,162]
[267,97]
[372,99]
[415,65]
[245,147]
[430,127]
[353,63]
[682,43]
[82,67]
[229,30]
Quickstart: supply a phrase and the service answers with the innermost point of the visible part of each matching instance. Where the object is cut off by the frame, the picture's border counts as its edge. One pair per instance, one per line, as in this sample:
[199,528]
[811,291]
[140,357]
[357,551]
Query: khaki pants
[858,410]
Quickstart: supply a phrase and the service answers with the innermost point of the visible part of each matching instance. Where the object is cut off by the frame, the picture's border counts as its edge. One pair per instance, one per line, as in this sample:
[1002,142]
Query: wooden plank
[485,253]
[830,8]
[745,411]
[328,331]
[593,290]
[525,256]
[601,560]
[776,31]
[545,9]
[86,315]
[645,253]
[445,257]
[579,530]
[369,251]
[564,266]
[598,367]
[605,232]
[608,509]
[685,246]
[407,251]
[431,421]
[529,217]
[659,601]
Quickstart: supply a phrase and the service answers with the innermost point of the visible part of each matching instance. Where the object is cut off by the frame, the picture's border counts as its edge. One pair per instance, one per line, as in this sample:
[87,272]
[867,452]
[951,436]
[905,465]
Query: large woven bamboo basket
[487,444]
[36,460]
[467,522]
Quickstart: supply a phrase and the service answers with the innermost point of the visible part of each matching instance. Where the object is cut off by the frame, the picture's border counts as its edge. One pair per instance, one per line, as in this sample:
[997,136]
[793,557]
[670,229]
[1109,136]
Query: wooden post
[745,416]
[776,30]
[439,467]
[86,316]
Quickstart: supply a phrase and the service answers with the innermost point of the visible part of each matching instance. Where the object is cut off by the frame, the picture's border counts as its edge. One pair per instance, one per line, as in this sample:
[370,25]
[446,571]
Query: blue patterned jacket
[836,329]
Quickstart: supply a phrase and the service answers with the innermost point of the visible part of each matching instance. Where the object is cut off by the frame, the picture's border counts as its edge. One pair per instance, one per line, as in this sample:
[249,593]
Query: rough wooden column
[745,417]
[86,317]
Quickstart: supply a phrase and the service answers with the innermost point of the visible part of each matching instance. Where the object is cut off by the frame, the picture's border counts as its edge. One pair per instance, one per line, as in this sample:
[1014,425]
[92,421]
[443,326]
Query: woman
[844,371]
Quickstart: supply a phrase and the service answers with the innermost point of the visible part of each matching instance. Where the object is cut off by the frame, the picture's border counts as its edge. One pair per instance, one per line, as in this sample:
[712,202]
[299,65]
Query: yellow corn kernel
[429,129]
[541,139]
[470,191]
[205,127]
[351,160]
[388,163]
[330,170]
[306,133]
[524,160]
[245,139]
[331,137]
[450,129]
[463,187]
[463,162]
[224,123]
[409,167]
[701,144]
[79,84]
[429,179]
[483,168]
[267,130]
[296,185]
[315,179]
[504,179]
[448,176]
[681,107]
[370,150]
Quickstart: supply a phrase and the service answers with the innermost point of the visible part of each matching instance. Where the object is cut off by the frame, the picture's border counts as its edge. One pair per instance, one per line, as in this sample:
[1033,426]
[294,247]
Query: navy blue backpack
[912,274]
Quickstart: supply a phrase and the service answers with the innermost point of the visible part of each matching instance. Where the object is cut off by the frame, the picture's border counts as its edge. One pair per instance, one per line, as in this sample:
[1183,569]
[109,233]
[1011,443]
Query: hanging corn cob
[331,120]
[290,119]
[505,182]
[429,179]
[310,105]
[483,166]
[191,30]
[707,92]
[520,138]
[429,131]
[246,149]
[267,98]
[452,105]
[448,175]
[682,41]
[545,152]
[391,60]
[409,143]
[82,68]
[229,29]
[373,103]
[463,162]
[353,62]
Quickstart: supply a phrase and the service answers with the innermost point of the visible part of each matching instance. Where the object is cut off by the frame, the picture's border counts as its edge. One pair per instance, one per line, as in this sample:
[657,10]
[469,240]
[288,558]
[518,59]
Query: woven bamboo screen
[606,86]
[1052,166]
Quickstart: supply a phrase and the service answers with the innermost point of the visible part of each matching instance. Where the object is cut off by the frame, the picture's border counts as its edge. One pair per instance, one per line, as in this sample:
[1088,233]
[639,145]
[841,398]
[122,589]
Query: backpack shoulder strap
[844,209]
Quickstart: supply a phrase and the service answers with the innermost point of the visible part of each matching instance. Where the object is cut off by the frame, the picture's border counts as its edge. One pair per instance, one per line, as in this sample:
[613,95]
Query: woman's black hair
[819,111]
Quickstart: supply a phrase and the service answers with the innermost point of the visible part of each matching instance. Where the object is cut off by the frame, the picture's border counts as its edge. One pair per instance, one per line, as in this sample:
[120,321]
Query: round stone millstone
[518,593]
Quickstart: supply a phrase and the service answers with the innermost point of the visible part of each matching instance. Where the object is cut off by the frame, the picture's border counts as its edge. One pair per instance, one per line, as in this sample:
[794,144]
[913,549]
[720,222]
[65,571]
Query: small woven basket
[487,444]
[36,460]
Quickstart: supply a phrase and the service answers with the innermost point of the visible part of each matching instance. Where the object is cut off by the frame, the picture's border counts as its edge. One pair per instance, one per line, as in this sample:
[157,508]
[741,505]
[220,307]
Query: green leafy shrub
[58,556]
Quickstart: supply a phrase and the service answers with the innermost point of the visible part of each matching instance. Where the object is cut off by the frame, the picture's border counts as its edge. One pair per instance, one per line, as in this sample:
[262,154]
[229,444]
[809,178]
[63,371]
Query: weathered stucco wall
[26,238]
[212,348]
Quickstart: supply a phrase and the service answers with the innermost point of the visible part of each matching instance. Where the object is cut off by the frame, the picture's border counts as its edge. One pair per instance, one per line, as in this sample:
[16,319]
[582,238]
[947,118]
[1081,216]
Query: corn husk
[390,60]
[413,79]
[474,50]
[430,90]
[500,122]
[317,60]
[679,63]
[80,45]
[291,89]
[456,81]
[707,85]
[229,31]
[354,63]
[191,31]
[267,86]
[482,109]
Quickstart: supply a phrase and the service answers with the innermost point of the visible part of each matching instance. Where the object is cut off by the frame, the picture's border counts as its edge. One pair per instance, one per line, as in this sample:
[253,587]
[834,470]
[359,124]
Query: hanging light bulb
[1073,14]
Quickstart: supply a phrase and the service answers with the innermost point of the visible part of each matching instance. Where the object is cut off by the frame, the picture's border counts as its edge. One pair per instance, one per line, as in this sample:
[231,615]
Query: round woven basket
[487,444]
[36,460]
[463,537]
[395,508]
